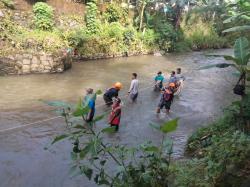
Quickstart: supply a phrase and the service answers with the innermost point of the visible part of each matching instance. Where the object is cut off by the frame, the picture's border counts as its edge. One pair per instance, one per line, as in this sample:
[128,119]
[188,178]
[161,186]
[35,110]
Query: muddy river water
[23,160]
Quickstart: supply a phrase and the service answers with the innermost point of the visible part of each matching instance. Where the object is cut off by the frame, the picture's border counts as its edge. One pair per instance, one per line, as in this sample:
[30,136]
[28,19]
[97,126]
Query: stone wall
[34,63]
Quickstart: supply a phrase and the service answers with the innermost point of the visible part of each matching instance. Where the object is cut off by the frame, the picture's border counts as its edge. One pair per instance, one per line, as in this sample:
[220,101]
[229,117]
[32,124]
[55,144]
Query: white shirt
[180,77]
[134,86]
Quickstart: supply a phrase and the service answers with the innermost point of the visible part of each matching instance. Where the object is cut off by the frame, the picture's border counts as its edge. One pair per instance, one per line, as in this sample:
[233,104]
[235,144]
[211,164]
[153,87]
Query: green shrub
[43,16]
[220,160]
[41,41]
[129,35]
[217,128]
[115,13]
[8,3]
[222,164]
[167,36]
[114,30]
[150,37]
[91,18]
[202,35]
[182,46]
[76,38]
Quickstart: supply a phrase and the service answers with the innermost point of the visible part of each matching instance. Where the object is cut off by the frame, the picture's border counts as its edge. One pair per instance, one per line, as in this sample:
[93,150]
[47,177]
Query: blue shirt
[89,100]
[172,79]
[159,78]
[91,105]
[112,92]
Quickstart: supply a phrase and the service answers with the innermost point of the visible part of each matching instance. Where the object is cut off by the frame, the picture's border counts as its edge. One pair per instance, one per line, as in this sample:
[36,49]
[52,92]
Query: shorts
[90,116]
[165,104]
[133,97]
[107,100]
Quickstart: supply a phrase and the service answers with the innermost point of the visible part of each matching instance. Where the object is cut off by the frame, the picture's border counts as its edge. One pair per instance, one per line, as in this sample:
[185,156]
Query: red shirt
[115,115]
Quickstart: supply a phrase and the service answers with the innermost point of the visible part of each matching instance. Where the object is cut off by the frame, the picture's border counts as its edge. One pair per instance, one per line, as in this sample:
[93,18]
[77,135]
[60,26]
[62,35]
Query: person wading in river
[134,88]
[159,81]
[166,98]
[173,78]
[112,93]
[179,76]
[115,115]
[89,100]
[179,81]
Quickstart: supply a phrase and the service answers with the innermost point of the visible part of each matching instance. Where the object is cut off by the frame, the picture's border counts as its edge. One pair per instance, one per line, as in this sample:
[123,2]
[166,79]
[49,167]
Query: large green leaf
[245,17]
[238,28]
[151,148]
[236,17]
[59,138]
[168,145]
[241,50]
[108,130]
[87,171]
[59,104]
[98,118]
[227,57]
[157,127]
[85,151]
[80,110]
[98,92]
[169,126]
[78,126]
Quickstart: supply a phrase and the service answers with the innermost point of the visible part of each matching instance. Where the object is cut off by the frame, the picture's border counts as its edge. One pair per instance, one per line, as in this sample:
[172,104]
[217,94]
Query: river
[23,159]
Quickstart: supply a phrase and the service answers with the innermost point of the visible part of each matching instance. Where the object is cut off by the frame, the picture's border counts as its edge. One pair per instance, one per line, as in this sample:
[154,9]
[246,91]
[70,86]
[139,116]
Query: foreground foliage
[144,165]
[220,153]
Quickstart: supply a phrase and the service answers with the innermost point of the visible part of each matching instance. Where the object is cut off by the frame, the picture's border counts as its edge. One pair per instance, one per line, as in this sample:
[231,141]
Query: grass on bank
[111,37]
[222,157]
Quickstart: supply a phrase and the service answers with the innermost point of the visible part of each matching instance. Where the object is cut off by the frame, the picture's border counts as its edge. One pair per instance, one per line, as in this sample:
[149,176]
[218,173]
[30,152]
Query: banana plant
[240,14]
[240,60]
[241,54]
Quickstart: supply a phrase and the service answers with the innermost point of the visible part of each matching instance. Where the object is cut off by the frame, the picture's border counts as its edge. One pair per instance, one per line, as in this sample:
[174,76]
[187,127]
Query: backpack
[167,95]
[239,88]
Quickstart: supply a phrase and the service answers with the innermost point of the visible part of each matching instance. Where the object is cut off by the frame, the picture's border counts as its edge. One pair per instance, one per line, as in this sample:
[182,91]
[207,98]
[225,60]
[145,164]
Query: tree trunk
[177,20]
[141,15]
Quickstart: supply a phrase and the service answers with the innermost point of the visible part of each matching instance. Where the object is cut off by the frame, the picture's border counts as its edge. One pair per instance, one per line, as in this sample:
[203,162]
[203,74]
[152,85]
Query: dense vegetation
[220,151]
[118,28]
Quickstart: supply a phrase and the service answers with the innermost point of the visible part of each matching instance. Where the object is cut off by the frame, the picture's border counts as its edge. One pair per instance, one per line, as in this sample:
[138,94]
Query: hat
[118,85]
[172,84]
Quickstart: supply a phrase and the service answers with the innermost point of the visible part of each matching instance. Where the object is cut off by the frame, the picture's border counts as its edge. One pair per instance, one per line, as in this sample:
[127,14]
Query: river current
[24,161]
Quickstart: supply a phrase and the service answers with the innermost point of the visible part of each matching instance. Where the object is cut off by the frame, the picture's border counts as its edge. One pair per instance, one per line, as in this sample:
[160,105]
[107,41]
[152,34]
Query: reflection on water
[24,162]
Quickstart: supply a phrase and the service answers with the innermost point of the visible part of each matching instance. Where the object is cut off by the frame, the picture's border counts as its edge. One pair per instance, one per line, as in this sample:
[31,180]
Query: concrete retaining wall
[34,63]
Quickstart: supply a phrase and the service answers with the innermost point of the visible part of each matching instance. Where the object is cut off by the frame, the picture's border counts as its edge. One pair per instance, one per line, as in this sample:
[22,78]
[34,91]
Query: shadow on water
[24,162]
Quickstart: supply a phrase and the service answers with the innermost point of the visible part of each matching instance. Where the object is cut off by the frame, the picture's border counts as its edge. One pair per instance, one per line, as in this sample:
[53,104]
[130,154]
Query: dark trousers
[116,127]
[107,100]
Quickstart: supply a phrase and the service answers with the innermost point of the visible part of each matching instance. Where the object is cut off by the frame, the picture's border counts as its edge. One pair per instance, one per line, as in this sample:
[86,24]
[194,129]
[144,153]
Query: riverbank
[89,35]
[220,152]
